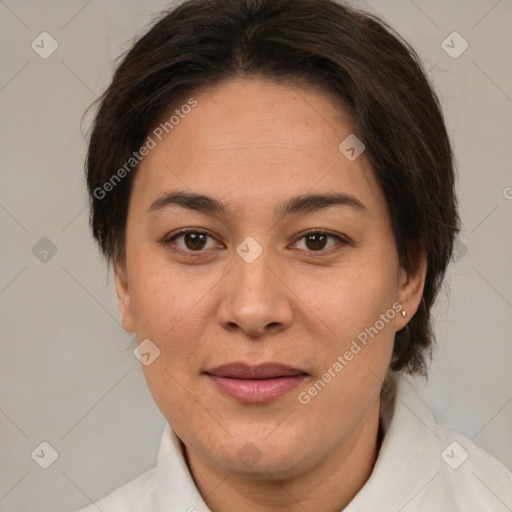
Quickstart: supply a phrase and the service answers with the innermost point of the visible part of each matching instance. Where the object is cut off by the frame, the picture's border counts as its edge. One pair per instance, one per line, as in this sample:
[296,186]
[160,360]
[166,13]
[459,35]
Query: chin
[250,452]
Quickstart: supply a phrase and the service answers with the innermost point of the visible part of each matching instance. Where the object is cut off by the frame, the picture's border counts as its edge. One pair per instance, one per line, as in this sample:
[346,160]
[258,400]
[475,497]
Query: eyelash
[194,254]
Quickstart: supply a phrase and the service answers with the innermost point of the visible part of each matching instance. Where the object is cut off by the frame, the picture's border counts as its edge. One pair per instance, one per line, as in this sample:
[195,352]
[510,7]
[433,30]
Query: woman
[273,183]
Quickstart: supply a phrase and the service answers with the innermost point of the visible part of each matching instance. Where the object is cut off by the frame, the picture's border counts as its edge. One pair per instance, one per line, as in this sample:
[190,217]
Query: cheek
[156,297]
[169,306]
[360,315]
[155,306]
[355,295]
[358,309]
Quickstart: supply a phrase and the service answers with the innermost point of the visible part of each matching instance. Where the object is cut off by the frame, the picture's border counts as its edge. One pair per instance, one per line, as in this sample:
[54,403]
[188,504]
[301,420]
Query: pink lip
[256,384]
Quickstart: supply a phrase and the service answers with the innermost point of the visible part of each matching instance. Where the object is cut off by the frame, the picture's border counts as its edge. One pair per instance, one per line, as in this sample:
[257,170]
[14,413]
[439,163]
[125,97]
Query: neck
[328,486]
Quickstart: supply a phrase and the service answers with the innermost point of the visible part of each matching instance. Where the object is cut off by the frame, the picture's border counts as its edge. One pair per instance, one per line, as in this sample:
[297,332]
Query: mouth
[255,383]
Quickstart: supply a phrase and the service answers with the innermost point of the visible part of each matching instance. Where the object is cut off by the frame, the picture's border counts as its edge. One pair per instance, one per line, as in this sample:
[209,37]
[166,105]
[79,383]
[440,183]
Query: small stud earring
[404,314]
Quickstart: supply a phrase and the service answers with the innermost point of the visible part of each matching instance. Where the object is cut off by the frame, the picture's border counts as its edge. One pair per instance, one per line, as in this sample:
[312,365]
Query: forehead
[252,141]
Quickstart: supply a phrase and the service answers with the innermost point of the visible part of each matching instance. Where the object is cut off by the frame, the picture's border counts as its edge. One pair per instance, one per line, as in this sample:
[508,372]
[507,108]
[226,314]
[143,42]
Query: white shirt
[421,467]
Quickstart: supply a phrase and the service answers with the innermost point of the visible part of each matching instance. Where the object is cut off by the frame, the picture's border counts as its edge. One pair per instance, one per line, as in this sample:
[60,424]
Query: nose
[255,298]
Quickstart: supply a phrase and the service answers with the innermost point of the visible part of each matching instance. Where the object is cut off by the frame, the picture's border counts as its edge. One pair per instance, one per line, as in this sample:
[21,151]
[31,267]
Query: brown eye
[193,241]
[316,241]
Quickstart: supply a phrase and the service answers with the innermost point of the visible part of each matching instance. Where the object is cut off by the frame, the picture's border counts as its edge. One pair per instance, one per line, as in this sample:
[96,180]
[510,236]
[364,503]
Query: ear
[411,284]
[123,296]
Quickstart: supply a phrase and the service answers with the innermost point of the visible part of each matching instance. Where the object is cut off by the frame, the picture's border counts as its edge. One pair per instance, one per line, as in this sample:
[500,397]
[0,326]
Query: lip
[256,371]
[256,383]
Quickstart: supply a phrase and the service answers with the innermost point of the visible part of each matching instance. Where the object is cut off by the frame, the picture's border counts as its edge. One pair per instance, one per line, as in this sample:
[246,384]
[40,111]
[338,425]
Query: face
[275,325]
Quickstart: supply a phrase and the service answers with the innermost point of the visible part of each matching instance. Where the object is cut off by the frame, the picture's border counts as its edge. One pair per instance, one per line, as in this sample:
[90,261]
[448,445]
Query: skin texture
[253,144]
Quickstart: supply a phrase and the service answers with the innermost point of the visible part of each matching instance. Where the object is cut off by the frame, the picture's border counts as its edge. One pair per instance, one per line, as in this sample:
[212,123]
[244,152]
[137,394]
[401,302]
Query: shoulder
[451,470]
[473,478]
[137,495]
[424,467]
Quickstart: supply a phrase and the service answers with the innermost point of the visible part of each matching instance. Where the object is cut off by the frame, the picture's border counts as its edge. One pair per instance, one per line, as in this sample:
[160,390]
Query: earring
[404,314]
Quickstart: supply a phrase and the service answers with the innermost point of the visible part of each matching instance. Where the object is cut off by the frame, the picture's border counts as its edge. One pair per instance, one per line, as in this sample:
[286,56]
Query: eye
[315,241]
[193,240]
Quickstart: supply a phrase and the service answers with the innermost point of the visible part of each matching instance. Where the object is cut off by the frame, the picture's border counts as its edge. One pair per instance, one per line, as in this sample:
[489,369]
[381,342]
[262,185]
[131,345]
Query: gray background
[67,372]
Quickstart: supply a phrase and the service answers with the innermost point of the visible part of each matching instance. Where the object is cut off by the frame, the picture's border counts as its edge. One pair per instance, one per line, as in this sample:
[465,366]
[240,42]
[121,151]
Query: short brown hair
[351,54]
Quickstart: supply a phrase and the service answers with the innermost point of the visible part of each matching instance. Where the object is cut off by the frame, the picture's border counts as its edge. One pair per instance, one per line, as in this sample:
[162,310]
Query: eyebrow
[307,203]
